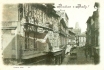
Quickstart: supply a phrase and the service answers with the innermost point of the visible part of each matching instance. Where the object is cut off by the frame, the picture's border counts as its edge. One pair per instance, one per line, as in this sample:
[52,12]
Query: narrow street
[81,59]
[50,34]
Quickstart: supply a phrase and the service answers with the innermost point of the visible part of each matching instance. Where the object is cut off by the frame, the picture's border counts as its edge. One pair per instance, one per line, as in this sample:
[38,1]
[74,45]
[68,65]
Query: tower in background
[76,25]
[77,29]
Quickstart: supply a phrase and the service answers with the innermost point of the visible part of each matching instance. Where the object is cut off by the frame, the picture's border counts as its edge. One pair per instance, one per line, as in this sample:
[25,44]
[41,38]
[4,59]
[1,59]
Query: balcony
[46,28]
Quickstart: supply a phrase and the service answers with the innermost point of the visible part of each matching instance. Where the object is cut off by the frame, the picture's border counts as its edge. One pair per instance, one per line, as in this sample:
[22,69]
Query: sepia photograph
[50,34]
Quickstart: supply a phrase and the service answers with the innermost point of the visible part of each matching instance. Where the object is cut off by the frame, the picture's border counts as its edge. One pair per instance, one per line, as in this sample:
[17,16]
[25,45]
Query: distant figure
[86,51]
[68,48]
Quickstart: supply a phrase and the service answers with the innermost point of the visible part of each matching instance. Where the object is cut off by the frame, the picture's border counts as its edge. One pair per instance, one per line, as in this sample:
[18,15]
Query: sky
[76,15]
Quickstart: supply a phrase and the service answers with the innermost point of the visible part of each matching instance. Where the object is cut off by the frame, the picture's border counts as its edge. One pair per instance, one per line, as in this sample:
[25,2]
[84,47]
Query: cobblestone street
[81,59]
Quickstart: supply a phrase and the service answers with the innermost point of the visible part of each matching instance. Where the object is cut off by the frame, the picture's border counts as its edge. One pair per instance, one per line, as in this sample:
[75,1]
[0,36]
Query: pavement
[81,58]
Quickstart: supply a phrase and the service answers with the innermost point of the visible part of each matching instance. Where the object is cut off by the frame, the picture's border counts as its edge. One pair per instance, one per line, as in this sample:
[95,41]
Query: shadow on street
[79,60]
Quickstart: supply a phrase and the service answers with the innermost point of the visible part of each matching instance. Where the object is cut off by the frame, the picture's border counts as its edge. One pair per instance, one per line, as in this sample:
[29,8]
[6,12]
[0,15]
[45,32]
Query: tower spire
[76,25]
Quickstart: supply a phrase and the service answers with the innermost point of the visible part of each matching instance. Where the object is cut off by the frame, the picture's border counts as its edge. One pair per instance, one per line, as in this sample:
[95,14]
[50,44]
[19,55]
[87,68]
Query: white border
[62,67]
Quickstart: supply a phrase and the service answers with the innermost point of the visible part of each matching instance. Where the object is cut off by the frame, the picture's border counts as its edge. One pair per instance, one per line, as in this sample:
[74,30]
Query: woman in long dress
[68,49]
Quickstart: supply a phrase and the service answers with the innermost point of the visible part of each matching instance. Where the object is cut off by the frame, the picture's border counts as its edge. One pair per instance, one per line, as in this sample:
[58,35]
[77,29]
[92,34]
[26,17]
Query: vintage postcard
[62,33]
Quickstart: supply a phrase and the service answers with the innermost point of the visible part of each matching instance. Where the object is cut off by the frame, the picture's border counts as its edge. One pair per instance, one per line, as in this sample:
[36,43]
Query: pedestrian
[96,57]
[68,49]
[86,50]
[89,51]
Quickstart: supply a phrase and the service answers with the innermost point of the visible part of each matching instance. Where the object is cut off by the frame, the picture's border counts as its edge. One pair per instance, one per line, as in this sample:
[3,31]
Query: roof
[66,16]
[89,20]
[71,32]
[96,4]
[47,8]
[63,22]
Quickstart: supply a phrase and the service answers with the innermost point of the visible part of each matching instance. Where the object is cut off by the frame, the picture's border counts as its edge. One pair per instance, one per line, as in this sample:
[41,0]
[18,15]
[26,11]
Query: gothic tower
[77,26]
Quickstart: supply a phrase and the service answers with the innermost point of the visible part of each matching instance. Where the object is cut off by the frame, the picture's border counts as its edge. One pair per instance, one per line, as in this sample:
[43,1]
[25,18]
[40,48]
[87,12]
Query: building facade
[92,34]
[72,38]
[82,39]
[33,31]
